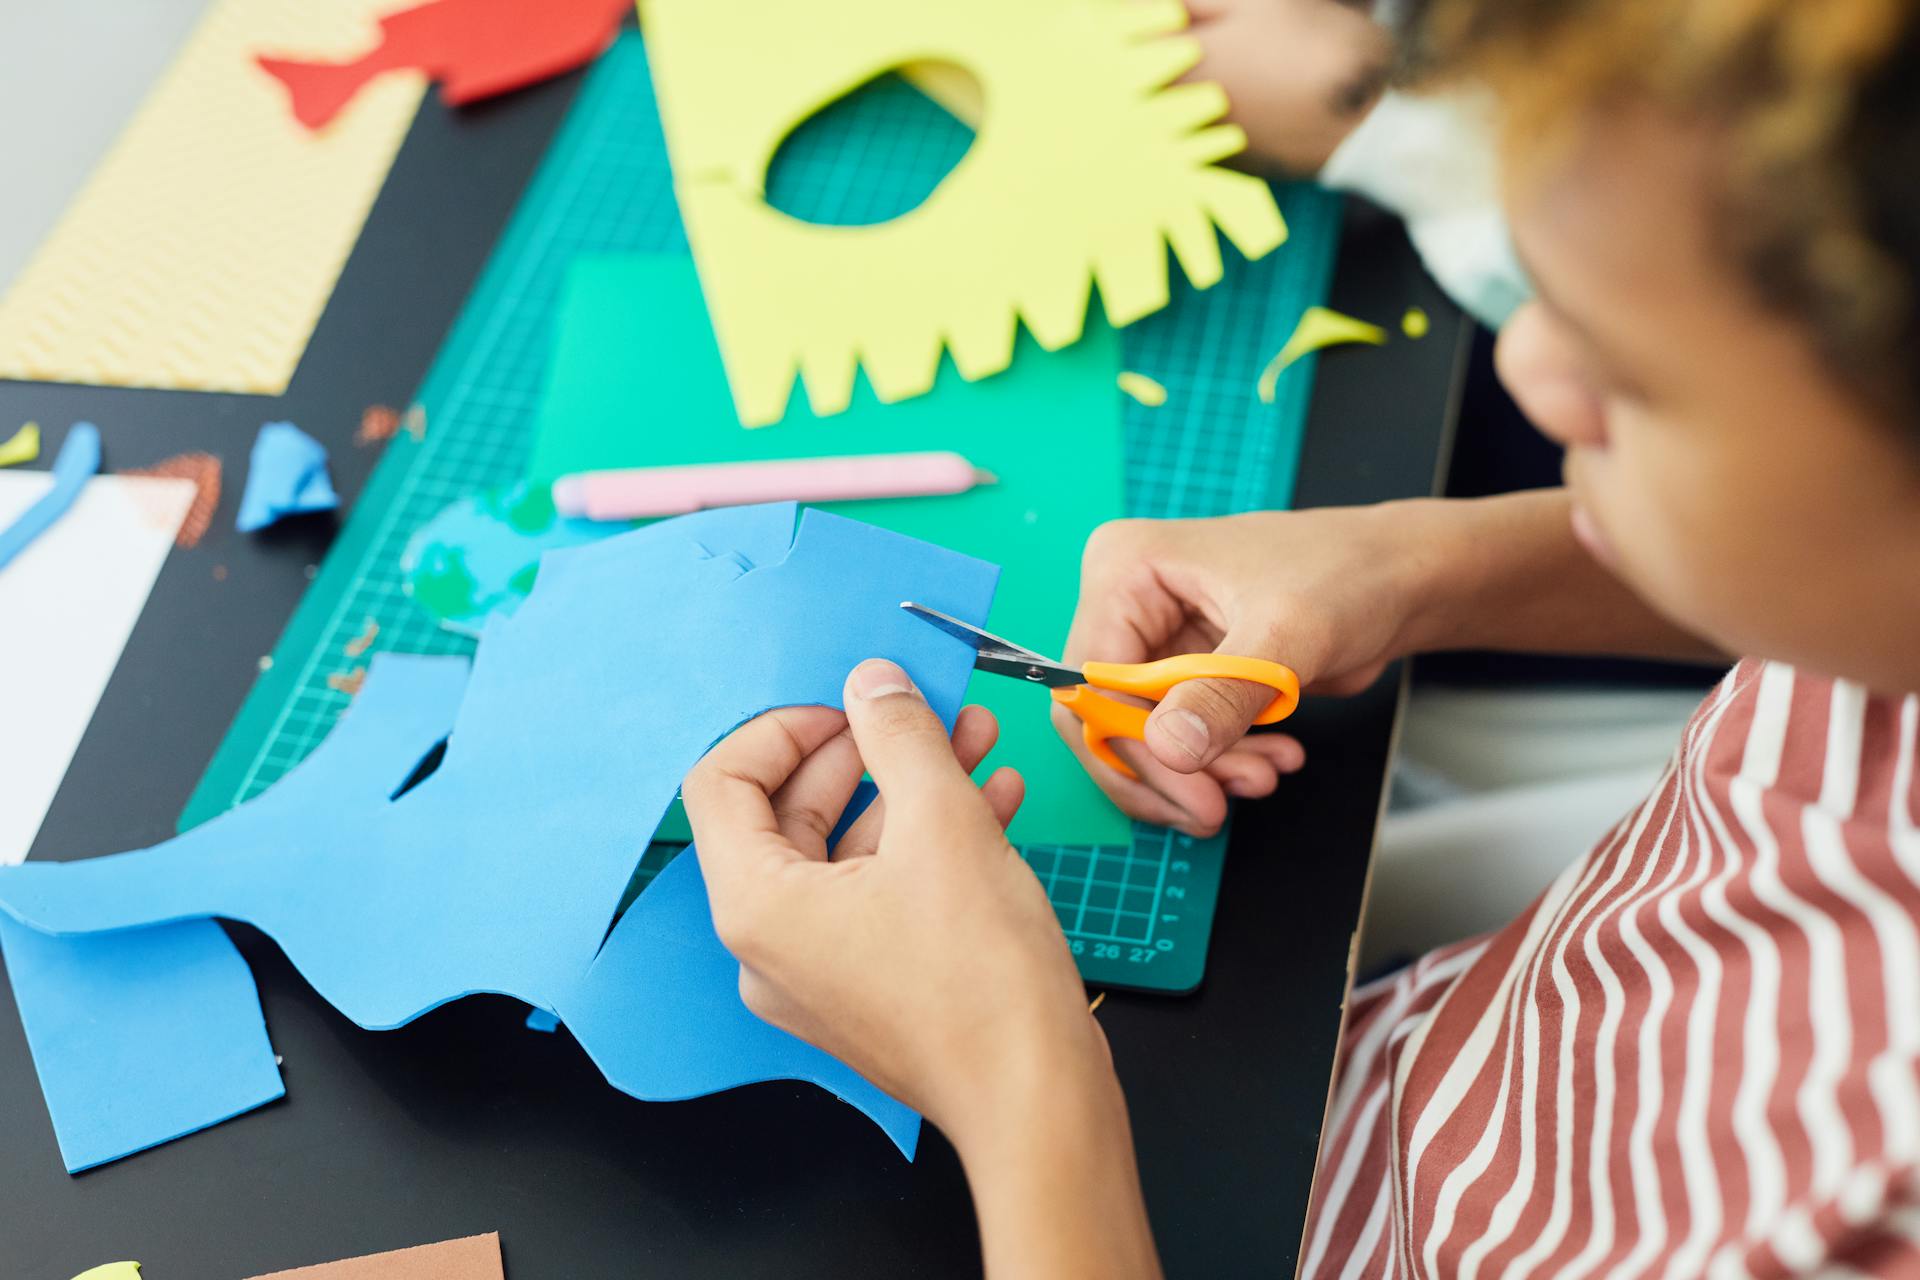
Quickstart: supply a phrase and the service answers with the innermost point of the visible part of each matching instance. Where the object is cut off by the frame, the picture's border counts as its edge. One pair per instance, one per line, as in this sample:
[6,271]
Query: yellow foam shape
[1088,161]
[23,446]
[112,1271]
[1415,323]
[205,245]
[1318,327]
[1146,390]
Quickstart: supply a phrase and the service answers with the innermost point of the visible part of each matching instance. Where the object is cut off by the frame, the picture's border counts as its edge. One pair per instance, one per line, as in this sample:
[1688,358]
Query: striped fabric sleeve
[1870,1229]
[1698,1053]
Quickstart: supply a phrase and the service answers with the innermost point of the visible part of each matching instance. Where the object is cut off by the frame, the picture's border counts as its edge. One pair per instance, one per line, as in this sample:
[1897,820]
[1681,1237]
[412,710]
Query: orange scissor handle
[1103,718]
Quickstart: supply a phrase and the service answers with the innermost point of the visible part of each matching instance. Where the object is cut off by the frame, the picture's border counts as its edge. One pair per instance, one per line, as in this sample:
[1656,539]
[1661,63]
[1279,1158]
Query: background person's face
[1716,465]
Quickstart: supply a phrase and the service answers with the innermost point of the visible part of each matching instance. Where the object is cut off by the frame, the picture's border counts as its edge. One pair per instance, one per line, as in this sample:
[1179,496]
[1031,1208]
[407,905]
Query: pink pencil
[639,492]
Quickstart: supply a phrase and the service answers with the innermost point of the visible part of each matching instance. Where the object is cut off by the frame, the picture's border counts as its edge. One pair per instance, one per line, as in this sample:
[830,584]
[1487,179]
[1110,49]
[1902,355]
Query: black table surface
[464,1122]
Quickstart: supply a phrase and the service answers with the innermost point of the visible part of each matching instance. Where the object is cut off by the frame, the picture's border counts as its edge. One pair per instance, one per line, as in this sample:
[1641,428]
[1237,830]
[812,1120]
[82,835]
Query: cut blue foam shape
[77,462]
[668,924]
[663,970]
[500,871]
[286,476]
[139,1037]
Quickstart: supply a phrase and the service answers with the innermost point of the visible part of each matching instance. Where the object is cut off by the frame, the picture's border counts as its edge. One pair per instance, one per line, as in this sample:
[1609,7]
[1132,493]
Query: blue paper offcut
[541,1020]
[499,871]
[77,462]
[286,475]
[139,1037]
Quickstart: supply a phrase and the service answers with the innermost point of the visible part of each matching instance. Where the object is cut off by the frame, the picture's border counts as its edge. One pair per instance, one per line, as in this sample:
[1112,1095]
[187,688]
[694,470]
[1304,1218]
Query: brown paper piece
[472,1258]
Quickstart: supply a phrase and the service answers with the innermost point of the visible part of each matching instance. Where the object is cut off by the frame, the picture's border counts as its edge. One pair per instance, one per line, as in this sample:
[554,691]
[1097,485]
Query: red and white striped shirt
[1697,1054]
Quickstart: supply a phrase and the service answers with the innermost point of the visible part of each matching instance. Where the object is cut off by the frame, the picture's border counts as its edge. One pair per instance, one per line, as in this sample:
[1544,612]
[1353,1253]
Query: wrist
[1027,1073]
[1432,568]
[1049,1159]
[1483,565]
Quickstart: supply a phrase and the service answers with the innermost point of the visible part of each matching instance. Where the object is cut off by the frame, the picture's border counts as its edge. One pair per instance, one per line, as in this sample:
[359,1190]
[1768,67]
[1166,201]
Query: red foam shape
[474,48]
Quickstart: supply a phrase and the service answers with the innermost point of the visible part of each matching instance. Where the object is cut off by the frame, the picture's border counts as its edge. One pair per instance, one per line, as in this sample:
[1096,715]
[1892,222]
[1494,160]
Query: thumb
[1200,719]
[903,744]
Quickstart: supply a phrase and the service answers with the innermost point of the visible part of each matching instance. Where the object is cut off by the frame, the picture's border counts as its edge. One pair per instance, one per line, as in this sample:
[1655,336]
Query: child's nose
[1542,372]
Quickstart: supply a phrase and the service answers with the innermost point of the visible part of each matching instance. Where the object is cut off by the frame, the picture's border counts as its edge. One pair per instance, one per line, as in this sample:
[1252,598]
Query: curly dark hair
[1819,101]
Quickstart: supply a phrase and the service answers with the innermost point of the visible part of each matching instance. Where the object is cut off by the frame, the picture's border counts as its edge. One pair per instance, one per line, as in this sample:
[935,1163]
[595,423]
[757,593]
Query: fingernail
[1188,731]
[878,678]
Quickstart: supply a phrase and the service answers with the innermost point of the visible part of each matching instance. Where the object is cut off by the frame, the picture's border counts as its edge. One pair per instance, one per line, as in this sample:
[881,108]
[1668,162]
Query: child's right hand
[1331,593]
[925,955]
[1300,74]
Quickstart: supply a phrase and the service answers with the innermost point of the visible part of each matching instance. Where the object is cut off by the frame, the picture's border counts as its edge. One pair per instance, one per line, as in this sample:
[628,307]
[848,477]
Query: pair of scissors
[1103,719]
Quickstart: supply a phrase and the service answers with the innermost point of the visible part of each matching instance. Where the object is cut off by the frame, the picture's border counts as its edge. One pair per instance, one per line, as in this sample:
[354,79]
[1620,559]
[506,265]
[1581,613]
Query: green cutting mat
[1136,916]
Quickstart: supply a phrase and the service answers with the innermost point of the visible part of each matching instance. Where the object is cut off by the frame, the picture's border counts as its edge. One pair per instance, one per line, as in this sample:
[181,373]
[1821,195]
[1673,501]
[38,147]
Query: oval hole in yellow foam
[909,124]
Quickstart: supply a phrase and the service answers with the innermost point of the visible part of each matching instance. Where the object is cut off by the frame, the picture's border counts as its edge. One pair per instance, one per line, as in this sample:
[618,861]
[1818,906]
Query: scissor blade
[1000,657]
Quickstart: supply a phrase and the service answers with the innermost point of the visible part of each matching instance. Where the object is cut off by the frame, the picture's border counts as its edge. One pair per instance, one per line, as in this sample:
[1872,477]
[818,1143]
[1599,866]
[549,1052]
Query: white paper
[68,602]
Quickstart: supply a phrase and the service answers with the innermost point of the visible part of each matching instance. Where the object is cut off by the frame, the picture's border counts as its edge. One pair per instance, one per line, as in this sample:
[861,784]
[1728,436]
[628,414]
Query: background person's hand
[1328,592]
[1300,74]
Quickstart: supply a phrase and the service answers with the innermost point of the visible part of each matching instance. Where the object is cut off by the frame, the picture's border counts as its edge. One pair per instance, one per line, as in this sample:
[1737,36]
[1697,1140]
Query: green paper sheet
[636,380]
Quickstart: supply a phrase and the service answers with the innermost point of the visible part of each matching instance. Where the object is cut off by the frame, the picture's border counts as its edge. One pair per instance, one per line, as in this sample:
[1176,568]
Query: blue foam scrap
[141,1036]
[286,475]
[77,462]
[501,870]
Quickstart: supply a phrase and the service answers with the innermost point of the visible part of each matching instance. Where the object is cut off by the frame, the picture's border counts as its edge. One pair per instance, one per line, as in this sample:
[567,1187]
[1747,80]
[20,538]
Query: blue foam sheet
[76,463]
[286,476]
[141,1036]
[663,970]
[501,870]
[668,939]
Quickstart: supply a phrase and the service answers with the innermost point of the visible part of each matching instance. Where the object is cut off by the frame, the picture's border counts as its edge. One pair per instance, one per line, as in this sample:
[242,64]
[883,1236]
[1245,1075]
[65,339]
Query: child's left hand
[1300,74]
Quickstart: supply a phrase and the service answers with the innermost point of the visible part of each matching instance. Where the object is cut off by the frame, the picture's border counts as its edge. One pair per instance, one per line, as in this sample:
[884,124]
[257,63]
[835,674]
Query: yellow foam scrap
[1142,388]
[1088,162]
[202,250]
[24,446]
[1318,327]
[1415,323]
[112,1271]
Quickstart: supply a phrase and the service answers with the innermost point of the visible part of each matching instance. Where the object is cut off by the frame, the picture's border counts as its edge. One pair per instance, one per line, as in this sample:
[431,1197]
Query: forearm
[1053,1176]
[1506,573]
